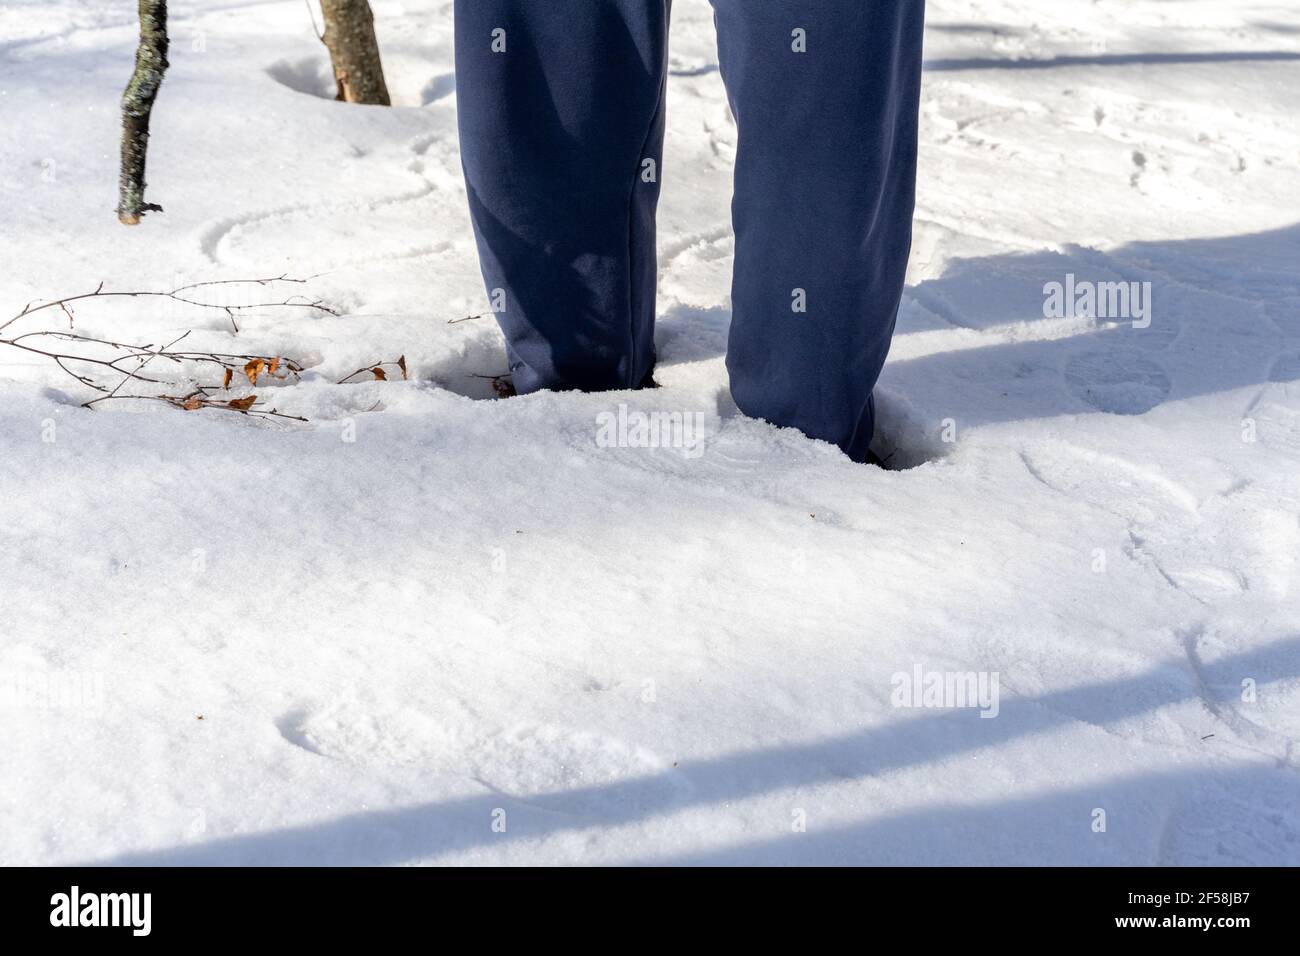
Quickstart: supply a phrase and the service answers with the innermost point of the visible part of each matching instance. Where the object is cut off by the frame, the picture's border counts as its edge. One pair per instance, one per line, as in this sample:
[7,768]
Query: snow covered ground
[427,628]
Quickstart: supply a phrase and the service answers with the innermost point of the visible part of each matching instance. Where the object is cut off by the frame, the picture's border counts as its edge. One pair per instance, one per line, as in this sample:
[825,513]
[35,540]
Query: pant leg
[558,115]
[825,190]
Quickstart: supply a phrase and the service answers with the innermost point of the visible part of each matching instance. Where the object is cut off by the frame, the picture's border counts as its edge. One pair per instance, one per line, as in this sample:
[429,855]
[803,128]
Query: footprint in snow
[1117,382]
[566,770]
[549,767]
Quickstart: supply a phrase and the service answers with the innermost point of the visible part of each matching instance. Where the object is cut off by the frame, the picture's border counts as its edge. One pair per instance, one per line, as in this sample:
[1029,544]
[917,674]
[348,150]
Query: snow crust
[429,628]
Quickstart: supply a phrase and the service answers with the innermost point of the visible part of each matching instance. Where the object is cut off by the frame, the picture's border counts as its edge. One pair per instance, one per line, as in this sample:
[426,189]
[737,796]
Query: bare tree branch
[137,106]
[107,367]
[293,302]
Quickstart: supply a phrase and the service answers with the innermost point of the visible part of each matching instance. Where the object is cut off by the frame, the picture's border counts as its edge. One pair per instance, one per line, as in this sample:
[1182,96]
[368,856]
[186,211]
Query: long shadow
[1224,315]
[423,831]
[1109,59]
[1150,819]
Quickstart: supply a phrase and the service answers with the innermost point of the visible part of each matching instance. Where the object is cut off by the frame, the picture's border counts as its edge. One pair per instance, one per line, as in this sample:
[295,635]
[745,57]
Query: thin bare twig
[293,302]
[126,363]
[314,29]
[376,371]
[503,385]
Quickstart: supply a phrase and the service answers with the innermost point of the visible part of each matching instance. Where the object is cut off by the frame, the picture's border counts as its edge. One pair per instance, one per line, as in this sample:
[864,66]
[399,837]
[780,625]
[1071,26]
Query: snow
[428,628]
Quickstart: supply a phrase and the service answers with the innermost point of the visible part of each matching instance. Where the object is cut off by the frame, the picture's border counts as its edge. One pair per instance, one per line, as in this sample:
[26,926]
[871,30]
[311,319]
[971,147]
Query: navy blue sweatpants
[561,106]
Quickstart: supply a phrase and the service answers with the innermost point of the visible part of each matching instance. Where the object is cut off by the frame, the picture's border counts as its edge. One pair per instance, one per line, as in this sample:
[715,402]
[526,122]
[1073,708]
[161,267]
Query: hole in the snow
[476,371]
[311,76]
[408,83]
[476,385]
[438,88]
[903,440]
[689,334]
[292,727]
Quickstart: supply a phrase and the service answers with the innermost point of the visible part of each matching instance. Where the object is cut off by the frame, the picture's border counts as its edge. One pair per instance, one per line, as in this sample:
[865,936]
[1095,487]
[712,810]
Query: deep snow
[370,638]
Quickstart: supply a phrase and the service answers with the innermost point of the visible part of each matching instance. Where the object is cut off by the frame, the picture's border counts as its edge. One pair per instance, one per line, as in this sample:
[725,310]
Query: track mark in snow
[1117,382]
[967,229]
[721,130]
[936,305]
[1163,518]
[1134,269]
[438,88]
[1168,830]
[291,729]
[1140,167]
[468,371]
[707,243]
[1035,473]
[216,236]
[725,404]
[1138,550]
[1284,316]
[1108,472]
[686,333]
[365,732]
[573,771]
[310,76]
[555,768]
[1272,744]
[211,238]
[1284,369]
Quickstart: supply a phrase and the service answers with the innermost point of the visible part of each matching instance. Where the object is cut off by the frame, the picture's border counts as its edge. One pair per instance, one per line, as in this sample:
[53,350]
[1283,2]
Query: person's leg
[826,97]
[561,112]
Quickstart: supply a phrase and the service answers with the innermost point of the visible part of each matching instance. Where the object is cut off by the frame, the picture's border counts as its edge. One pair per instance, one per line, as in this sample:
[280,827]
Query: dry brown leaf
[275,364]
[401,363]
[254,369]
[242,404]
[229,375]
[379,373]
[193,403]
